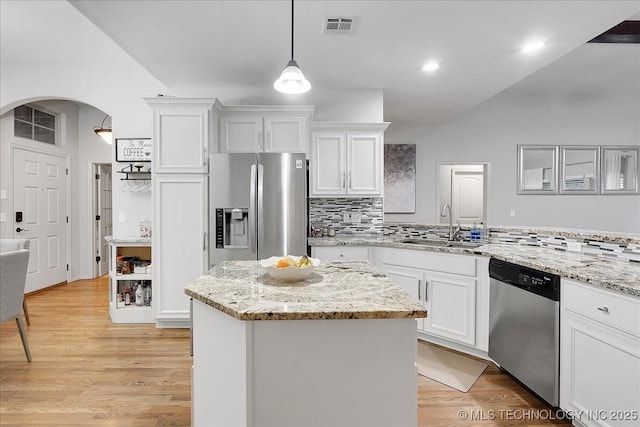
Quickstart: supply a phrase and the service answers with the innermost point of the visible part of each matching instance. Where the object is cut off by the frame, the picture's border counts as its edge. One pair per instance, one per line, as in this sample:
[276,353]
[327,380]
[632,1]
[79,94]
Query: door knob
[21,229]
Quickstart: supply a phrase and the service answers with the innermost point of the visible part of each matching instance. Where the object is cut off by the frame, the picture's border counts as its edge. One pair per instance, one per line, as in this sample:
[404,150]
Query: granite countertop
[335,290]
[621,276]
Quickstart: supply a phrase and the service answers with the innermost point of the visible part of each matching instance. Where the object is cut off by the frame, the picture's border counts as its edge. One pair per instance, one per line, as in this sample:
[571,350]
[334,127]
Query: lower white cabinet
[179,243]
[340,253]
[599,356]
[453,288]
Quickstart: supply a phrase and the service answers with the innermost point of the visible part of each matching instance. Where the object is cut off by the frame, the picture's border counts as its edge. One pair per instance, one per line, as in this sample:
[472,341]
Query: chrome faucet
[443,213]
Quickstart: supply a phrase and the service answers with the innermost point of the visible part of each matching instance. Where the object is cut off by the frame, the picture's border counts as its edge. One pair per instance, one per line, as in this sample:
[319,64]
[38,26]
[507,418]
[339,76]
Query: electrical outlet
[3,217]
[512,212]
[121,217]
[574,246]
[356,217]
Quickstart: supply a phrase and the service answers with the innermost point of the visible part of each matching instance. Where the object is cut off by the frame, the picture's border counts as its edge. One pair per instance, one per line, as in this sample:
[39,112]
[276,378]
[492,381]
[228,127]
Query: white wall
[491,132]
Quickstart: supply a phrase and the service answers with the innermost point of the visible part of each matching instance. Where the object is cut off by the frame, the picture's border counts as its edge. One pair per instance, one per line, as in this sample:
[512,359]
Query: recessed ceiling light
[431,66]
[533,46]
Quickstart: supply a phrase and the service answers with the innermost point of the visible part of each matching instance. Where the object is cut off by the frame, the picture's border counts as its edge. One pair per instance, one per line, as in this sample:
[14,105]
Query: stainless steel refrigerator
[257,205]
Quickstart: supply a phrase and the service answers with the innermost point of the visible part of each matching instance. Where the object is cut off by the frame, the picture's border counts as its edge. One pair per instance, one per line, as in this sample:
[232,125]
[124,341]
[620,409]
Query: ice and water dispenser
[232,228]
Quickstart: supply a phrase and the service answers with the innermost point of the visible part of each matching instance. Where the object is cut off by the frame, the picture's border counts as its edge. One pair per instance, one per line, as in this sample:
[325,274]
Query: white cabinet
[340,253]
[251,129]
[179,243]
[599,355]
[453,288]
[127,269]
[346,160]
[182,131]
[411,280]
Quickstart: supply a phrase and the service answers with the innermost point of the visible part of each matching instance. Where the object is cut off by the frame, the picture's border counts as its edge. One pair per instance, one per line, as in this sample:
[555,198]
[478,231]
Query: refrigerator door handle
[253,239]
[260,203]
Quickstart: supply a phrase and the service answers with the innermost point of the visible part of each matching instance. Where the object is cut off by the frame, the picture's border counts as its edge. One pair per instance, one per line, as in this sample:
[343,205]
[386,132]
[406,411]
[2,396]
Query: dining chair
[8,245]
[13,275]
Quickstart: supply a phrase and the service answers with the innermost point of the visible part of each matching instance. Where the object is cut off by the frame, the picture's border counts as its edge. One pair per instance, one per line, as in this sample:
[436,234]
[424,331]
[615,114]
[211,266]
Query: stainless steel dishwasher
[524,326]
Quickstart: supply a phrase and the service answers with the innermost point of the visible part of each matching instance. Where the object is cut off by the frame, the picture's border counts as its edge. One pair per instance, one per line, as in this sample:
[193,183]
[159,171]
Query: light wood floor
[89,371]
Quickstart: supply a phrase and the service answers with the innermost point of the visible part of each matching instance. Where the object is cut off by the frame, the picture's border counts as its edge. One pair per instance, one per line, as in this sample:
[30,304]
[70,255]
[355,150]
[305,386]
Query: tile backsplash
[330,212]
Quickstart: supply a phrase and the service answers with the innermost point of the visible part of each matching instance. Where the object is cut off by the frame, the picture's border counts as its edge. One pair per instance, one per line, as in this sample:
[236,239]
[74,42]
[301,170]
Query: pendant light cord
[292,30]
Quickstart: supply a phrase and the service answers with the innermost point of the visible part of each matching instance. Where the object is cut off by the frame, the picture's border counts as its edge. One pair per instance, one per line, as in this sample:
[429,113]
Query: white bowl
[288,274]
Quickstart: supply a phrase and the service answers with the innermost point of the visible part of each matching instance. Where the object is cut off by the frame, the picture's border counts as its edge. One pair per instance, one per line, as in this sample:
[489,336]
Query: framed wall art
[399,178]
[133,149]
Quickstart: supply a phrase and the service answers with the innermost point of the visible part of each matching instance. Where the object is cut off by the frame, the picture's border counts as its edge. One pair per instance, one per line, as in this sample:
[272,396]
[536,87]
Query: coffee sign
[133,149]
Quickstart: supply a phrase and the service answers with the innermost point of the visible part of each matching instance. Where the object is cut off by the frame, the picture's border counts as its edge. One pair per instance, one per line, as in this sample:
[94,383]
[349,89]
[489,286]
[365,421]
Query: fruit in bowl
[290,268]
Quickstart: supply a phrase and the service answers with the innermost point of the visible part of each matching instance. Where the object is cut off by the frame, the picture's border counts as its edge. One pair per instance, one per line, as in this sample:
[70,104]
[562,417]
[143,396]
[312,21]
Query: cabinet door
[179,243]
[327,161]
[365,167]
[451,304]
[241,133]
[411,281]
[181,136]
[599,372]
[286,134]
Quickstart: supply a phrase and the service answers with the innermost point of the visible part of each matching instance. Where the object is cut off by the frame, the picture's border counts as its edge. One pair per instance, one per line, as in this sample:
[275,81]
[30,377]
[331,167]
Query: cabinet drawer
[352,253]
[603,306]
[442,262]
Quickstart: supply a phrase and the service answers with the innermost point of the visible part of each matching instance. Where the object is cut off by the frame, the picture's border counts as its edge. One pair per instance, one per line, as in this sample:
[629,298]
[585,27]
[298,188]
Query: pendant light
[292,80]
[102,132]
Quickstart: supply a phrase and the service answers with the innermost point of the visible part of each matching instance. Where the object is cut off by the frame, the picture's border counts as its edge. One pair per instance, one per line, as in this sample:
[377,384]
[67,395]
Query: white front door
[104,221]
[467,196]
[40,197]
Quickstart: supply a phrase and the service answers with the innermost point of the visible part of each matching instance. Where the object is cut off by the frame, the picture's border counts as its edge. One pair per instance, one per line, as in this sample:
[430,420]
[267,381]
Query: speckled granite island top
[335,290]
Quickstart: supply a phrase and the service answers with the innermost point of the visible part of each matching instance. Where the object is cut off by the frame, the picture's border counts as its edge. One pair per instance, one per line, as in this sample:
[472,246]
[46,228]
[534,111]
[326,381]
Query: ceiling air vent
[338,25]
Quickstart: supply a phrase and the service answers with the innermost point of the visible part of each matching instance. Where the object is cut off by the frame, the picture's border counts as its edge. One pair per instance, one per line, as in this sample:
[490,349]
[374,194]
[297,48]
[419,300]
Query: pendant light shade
[292,80]
[104,133]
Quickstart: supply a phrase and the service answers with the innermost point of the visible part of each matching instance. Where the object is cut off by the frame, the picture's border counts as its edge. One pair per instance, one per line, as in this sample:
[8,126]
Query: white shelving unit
[132,313]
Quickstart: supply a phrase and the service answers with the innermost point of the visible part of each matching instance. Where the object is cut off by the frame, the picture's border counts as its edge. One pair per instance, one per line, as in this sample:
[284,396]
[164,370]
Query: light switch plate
[3,217]
[121,217]
[346,217]
[3,194]
[356,217]
[574,247]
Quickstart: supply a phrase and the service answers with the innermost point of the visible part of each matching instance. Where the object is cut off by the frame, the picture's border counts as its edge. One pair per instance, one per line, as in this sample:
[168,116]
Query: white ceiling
[247,43]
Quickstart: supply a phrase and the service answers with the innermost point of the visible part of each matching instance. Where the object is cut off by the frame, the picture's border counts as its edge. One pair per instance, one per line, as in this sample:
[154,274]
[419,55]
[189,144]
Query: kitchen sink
[443,243]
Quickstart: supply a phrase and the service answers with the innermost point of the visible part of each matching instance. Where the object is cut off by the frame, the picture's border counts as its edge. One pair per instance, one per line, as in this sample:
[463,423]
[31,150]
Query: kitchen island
[335,349]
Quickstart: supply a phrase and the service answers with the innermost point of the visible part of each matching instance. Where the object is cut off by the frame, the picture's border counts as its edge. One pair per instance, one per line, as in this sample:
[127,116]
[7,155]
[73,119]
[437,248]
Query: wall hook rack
[137,174]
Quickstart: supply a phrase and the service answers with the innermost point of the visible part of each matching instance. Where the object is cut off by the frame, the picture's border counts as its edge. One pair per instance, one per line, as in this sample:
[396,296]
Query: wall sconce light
[104,133]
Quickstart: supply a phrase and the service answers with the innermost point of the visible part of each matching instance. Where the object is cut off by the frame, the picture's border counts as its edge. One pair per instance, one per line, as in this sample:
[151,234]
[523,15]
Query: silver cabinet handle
[343,178]
[419,286]
[259,141]
[204,241]
[426,292]
[350,184]
[604,309]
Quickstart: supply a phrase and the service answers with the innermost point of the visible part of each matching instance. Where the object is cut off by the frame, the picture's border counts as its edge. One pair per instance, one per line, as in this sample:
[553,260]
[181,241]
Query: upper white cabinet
[347,159]
[599,355]
[182,130]
[251,129]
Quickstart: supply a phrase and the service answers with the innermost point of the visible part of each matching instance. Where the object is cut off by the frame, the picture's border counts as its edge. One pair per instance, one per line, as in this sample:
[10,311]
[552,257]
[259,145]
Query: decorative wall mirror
[580,169]
[620,169]
[537,169]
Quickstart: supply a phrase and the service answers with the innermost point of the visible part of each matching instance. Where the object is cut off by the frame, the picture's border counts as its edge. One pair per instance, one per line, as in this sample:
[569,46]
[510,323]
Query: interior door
[40,198]
[104,216]
[467,196]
